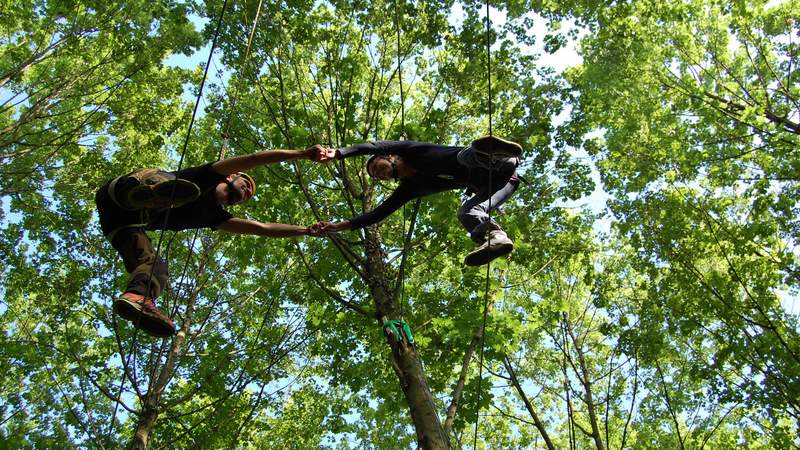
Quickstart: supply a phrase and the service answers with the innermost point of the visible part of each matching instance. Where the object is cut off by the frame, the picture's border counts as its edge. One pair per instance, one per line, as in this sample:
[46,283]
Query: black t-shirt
[204,212]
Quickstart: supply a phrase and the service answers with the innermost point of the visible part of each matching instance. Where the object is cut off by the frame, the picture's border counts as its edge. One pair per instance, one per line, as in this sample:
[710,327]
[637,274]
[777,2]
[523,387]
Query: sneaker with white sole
[495,147]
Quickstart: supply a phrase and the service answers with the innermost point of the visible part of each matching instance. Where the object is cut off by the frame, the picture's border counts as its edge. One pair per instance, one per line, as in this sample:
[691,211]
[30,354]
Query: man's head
[383,167]
[238,187]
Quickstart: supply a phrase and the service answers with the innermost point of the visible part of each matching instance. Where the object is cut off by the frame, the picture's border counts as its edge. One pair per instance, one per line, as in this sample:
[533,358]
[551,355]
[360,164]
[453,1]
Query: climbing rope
[400,73]
[225,134]
[222,151]
[489,238]
[166,215]
[403,237]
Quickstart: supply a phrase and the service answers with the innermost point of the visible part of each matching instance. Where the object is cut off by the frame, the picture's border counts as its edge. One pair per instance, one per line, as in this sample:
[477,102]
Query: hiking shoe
[494,146]
[143,314]
[497,244]
[157,196]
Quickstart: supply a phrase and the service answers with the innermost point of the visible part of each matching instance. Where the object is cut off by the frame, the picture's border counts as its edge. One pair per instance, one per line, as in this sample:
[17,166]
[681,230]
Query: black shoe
[494,146]
[497,244]
[143,314]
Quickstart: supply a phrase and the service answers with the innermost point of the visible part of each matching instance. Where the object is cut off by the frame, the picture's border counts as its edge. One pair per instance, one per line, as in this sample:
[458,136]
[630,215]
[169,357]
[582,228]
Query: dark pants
[492,182]
[125,228]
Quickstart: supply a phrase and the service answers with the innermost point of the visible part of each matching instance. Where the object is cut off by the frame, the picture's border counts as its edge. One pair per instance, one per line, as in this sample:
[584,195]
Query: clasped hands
[323,227]
[320,153]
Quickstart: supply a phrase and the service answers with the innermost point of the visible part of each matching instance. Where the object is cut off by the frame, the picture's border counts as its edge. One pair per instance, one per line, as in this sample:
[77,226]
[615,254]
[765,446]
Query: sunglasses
[234,195]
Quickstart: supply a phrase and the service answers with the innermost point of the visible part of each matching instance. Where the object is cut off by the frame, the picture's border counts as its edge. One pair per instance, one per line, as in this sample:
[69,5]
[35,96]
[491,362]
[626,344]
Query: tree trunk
[458,391]
[151,410]
[145,426]
[585,379]
[151,407]
[407,366]
[405,359]
[536,420]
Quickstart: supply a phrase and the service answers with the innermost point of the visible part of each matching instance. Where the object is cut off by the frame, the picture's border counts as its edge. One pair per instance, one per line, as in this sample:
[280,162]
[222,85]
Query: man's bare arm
[246,226]
[244,163]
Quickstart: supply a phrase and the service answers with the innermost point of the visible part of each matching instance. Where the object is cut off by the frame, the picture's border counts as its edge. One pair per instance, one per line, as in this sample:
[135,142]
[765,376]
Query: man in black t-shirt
[151,199]
[487,168]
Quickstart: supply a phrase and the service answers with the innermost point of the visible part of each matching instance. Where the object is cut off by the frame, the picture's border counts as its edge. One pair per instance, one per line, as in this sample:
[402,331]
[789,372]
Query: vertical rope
[489,239]
[225,134]
[403,137]
[220,156]
[166,216]
[489,64]
[403,266]
[400,73]
[222,151]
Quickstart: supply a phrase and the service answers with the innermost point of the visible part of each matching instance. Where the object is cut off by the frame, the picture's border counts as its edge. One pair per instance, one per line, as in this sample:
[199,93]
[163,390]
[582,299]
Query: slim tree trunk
[585,381]
[152,408]
[458,391]
[536,420]
[147,422]
[405,359]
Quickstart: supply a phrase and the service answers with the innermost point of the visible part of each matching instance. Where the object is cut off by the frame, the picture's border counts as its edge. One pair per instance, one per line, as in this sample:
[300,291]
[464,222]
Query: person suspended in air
[423,169]
[153,199]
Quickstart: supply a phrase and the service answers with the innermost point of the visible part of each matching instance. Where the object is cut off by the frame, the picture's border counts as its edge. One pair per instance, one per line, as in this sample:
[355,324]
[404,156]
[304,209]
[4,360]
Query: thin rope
[489,236]
[220,156]
[234,96]
[402,136]
[403,266]
[166,215]
[400,73]
[489,64]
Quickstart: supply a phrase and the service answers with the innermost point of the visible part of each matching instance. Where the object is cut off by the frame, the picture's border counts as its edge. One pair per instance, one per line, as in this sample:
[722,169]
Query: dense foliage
[666,318]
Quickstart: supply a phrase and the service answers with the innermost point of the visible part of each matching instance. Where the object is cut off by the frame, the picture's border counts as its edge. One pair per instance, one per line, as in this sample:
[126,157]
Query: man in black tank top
[152,199]
[487,168]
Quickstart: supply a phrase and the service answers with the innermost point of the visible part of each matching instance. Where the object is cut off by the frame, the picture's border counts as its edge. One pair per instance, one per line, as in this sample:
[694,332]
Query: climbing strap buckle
[394,324]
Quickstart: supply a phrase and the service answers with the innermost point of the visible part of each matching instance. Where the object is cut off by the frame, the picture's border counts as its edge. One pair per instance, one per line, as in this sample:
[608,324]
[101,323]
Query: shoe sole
[494,146]
[484,257]
[159,195]
[149,323]
[127,310]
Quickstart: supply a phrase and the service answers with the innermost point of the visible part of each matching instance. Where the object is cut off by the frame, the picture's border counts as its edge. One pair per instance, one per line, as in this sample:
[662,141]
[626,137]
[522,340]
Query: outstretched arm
[399,197]
[243,163]
[328,227]
[246,226]
[326,154]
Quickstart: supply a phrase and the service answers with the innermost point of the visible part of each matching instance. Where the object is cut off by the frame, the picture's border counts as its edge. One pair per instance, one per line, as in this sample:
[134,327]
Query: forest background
[666,318]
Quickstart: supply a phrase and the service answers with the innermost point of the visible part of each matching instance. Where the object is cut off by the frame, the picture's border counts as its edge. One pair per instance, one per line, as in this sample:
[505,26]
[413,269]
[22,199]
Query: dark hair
[374,158]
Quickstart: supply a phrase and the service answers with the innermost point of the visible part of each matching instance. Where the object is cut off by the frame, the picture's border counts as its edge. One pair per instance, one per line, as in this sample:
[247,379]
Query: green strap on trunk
[394,324]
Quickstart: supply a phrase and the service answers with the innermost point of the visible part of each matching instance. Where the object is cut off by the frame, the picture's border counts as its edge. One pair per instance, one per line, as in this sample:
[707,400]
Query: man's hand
[328,227]
[317,229]
[321,153]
